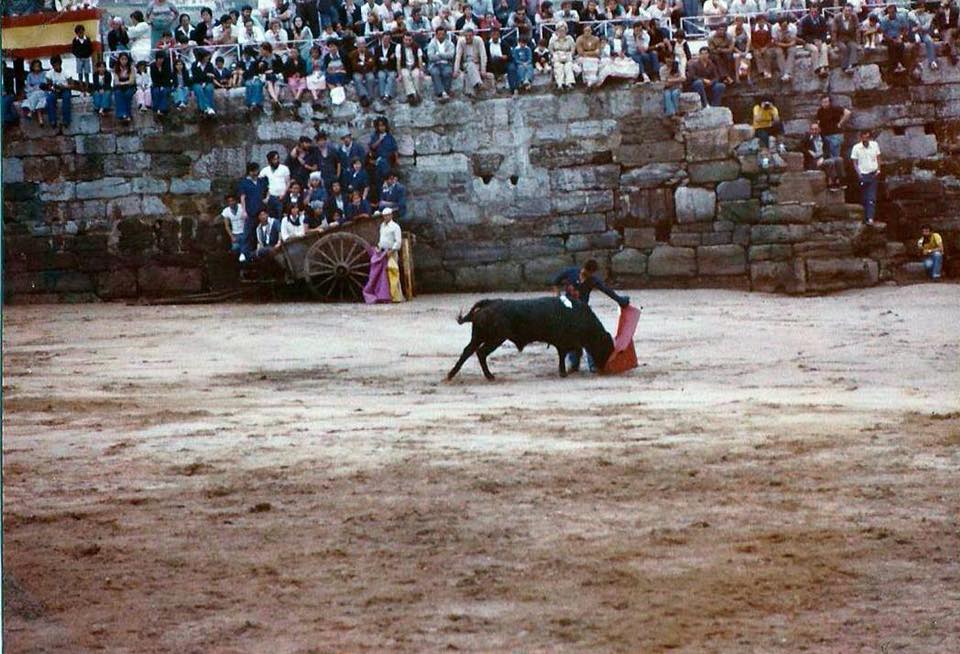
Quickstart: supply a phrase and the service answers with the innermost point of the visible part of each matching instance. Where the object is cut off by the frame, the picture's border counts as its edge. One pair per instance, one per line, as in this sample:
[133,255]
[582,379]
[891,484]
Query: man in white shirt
[251,34]
[865,156]
[390,241]
[714,11]
[278,179]
[234,219]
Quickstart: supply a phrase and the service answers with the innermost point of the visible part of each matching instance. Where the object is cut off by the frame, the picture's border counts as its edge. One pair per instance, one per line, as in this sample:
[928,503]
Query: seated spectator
[276,37]
[761,46]
[638,49]
[441,53]
[58,89]
[364,69]
[272,68]
[520,68]
[386,58]
[102,88]
[613,59]
[784,35]
[316,82]
[234,222]
[672,87]
[542,59]
[250,35]
[721,48]
[335,72]
[222,75]
[295,196]
[336,204]
[681,51]
[357,208]
[766,122]
[588,51]
[268,234]
[870,29]
[467,20]
[561,48]
[295,74]
[410,64]
[181,83]
[249,68]
[742,55]
[715,12]
[124,86]
[896,30]
[301,33]
[161,81]
[921,31]
[816,156]
[292,225]
[358,179]
[570,17]
[702,77]
[347,151]
[142,94]
[945,22]
[846,38]
[419,26]
[393,196]
[202,75]
[814,32]
[498,55]
[931,247]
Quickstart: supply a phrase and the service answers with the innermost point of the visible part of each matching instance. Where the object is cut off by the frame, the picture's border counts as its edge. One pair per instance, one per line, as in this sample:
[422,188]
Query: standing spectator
[945,22]
[761,45]
[784,35]
[139,32]
[323,158]
[382,149]
[895,29]
[702,76]
[102,88]
[82,49]
[520,68]
[335,207]
[386,57]
[561,54]
[347,151]
[588,51]
[921,23]
[124,86]
[866,161]
[181,83]
[393,196]
[316,199]
[817,157]
[118,39]
[142,95]
[278,179]
[721,47]
[295,195]
[846,37]
[363,66]
[36,95]
[471,59]
[410,68]
[298,160]
[931,247]
[234,223]
[440,53]
[162,16]
[357,179]
[59,89]
[672,87]
[250,190]
[831,120]
[813,31]
[202,75]
[161,81]
[268,234]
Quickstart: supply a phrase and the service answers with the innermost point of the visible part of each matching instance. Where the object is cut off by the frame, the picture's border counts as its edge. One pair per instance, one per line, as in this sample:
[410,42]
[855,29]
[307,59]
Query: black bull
[568,325]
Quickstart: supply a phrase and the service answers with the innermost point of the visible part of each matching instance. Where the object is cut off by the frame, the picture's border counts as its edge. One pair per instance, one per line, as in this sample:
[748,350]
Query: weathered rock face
[502,191]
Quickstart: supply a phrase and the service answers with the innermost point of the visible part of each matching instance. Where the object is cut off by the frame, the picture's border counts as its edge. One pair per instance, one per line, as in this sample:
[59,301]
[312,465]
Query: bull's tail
[468,317]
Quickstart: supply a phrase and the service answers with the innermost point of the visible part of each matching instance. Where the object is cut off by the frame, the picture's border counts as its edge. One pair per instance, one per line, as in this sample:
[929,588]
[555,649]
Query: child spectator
[316,199]
[142,94]
[161,81]
[82,49]
[59,89]
[316,82]
[871,32]
[234,220]
[102,88]
[541,57]
[358,207]
[335,72]
[181,84]
[124,86]
[295,73]
[222,75]
[393,196]
[202,75]
[292,225]
[359,180]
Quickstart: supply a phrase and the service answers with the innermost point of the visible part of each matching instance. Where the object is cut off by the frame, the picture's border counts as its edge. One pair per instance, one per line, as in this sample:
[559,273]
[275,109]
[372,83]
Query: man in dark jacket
[703,76]
[577,284]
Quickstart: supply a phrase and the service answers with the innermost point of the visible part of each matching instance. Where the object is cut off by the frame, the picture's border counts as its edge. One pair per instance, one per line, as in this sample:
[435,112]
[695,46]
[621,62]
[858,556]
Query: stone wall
[503,191]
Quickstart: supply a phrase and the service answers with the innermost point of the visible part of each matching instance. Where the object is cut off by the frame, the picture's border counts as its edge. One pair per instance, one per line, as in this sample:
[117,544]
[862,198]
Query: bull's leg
[467,351]
[563,362]
[483,352]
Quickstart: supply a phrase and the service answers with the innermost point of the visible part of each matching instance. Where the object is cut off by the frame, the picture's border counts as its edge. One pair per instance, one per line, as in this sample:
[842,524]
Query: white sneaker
[934,65]
[211,112]
[243,257]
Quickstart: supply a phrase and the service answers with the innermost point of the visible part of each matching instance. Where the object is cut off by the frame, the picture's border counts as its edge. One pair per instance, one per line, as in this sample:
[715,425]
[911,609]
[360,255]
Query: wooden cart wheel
[337,266]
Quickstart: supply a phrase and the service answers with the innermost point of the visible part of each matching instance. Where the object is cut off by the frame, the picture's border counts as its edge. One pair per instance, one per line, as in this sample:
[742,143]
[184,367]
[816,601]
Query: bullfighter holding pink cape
[384,282]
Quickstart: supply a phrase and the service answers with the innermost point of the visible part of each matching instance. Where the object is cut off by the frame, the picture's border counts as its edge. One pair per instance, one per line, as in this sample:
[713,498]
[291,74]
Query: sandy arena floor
[780,475]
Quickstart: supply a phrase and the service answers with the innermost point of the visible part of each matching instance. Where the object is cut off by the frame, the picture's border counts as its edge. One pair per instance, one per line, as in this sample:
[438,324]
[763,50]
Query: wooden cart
[335,263]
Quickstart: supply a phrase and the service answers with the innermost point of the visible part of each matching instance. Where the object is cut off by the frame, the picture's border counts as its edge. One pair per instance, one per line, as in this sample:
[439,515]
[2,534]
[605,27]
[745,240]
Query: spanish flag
[47,33]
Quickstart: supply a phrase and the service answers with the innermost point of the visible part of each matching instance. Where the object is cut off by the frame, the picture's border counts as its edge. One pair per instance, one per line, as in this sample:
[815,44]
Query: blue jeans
[441,74]
[365,84]
[84,70]
[716,92]
[160,98]
[387,80]
[181,95]
[64,96]
[253,92]
[9,115]
[649,63]
[868,195]
[671,100]
[204,93]
[929,46]
[123,98]
[834,144]
[933,262]
[573,361]
[102,100]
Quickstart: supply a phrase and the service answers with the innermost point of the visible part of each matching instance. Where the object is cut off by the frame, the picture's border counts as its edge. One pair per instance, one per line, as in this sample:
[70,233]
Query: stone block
[806,187]
[913,144]
[96,144]
[717,238]
[738,189]
[488,277]
[707,145]
[12,170]
[148,185]
[128,205]
[778,276]
[126,165]
[165,165]
[189,186]
[640,238]
[583,202]
[107,187]
[740,133]
[153,205]
[786,213]
[540,271]
[721,260]
[575,224]
[629,262]
[530,247]
[592,128]
[39,147]
[763,234]
[451,163]
[689,103]
[651,176]
[668,261]
[685,239]
[558,154]
[158,280]
[129,144]
[740,211]
[116,284]
[586,178]
[83,123]
[289,130]
[837,274]
[708,118]
[221,162]
[769,253]
[604,241]
[658,152]
[713,171]
[57,191]
[694,204]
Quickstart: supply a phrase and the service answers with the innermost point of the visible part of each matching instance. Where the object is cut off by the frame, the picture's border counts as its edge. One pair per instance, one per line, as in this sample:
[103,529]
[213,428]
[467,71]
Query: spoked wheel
[337,266]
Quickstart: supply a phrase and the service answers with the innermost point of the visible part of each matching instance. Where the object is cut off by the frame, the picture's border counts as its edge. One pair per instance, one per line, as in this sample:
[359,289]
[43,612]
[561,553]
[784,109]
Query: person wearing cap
[390,240]
[347,151]
[364,67]
[393,196]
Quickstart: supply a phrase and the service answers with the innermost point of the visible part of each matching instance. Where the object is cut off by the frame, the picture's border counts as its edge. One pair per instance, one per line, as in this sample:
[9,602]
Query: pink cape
[377,288]
[624,355]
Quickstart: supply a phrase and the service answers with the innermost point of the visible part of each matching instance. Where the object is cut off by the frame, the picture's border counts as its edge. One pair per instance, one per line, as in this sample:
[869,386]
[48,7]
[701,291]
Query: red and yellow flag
[47,33]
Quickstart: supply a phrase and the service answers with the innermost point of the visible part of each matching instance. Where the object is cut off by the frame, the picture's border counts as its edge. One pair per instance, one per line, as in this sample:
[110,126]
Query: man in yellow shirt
[931,246]
[766,124]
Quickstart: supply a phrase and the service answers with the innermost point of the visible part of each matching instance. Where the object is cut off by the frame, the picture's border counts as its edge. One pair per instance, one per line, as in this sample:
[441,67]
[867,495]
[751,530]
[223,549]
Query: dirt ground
[779,475]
